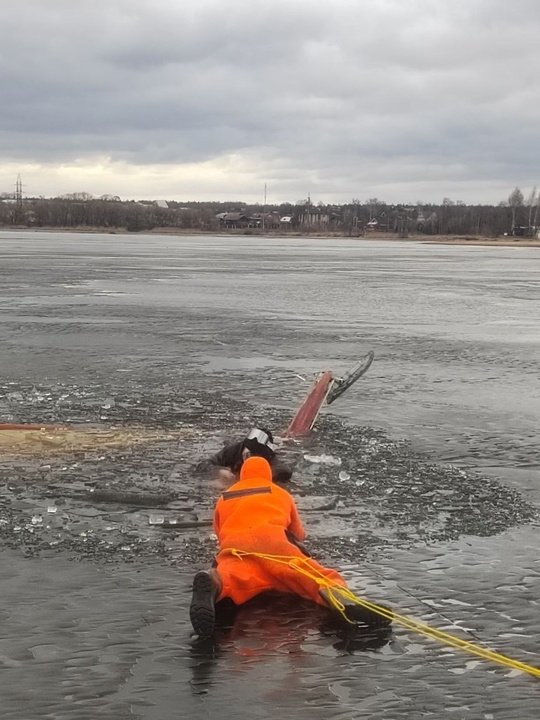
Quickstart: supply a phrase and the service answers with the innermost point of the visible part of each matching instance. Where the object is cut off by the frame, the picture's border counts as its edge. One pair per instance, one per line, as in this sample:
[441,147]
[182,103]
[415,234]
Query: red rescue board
[21,426]
[307,413]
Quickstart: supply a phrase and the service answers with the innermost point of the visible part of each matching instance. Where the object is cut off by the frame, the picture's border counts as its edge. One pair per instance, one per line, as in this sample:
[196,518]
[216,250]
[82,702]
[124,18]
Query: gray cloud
[345,99]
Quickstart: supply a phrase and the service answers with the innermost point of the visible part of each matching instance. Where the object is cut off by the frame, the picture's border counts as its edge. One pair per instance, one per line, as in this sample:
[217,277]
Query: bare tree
[536,208]
[515,200]
[531,202]
[374,205]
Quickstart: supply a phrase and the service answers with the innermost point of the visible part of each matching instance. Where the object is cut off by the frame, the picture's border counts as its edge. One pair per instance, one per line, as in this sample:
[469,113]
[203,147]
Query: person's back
[255,506]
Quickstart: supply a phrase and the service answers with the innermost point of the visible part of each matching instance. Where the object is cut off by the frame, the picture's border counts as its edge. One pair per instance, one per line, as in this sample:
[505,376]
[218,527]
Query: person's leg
[273,563]
[290,571]
[314,581]
[206,589]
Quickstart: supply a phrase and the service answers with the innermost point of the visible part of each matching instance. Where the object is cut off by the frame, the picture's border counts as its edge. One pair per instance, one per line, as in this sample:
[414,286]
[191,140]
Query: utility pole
[264,208]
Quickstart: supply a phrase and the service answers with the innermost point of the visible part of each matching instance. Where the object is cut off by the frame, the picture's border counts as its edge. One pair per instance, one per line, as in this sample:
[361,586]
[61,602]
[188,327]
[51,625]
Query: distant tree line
[516,216]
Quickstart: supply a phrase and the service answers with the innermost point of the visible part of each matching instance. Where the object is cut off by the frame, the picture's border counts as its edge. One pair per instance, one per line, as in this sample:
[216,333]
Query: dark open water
[456,335]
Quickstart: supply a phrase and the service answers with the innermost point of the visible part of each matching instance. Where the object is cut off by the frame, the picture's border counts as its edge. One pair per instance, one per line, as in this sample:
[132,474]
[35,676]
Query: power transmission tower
[18,200]
[18,190]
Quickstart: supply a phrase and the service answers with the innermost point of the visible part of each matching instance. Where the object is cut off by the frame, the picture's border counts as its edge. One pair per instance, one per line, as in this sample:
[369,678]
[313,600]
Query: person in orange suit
[256,516]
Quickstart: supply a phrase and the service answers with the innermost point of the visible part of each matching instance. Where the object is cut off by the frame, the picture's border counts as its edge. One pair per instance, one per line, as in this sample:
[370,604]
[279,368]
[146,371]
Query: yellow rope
[303,566]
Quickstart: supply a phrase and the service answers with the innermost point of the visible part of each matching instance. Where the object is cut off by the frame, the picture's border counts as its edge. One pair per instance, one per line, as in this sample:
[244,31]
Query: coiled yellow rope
[334,592]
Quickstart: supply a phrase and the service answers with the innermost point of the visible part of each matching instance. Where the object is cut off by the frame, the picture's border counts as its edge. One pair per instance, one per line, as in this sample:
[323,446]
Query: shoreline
[373,237]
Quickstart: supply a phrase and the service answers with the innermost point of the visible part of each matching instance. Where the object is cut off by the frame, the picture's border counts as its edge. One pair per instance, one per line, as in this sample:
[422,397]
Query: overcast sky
[404,100]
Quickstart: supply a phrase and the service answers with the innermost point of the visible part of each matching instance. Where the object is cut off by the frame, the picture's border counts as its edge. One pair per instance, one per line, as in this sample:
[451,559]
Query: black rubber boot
[202,609]
[364,616]
[357,614]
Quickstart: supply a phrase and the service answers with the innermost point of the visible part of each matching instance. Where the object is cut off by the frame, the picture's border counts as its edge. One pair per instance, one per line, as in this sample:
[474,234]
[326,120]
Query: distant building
[372,225]
[235,220]
[268,220]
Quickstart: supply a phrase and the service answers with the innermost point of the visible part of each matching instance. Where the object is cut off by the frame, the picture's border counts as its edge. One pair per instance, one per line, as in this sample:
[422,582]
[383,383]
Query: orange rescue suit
[253,516]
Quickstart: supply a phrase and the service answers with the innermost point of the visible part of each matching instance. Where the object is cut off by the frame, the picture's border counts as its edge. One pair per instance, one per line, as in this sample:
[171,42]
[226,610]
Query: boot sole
[202,611]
